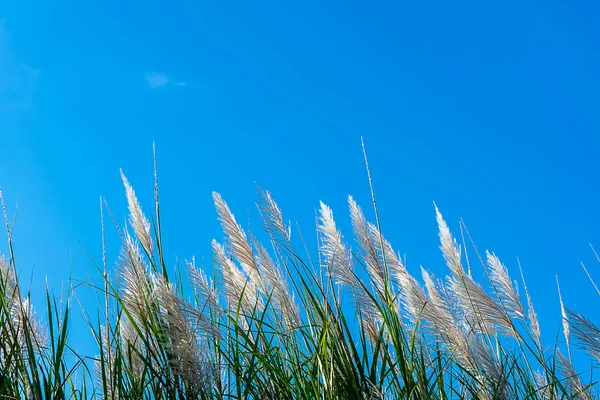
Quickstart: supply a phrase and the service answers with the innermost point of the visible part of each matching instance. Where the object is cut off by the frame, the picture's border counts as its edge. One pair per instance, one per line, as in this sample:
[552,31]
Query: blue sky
[490,109]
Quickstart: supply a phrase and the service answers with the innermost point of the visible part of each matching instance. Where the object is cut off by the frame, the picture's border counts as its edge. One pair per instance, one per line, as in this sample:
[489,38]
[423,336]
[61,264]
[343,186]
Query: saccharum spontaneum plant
[352,323]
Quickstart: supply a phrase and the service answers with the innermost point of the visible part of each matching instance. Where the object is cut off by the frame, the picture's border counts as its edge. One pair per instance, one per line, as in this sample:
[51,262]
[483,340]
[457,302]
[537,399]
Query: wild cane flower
[534,325]
[586,333]
[449,247]
[134,280]
[277,287]
[207,310]
[573,383]
[22,317]
[143,292]
[137,219]
[339,263]
[136,285]
[506,290]
[236,238]
[541,384]
[207,299]
[272,216]
[132,347]
[336,255]
[483,312]
[433,310]
[187,358]
[104,367]
[239,289]
[369,250]
[565,319]
[270,271]
[449,309]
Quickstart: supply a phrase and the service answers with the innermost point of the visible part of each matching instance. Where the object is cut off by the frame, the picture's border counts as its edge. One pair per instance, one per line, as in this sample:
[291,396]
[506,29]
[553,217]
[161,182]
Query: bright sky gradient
[490,109]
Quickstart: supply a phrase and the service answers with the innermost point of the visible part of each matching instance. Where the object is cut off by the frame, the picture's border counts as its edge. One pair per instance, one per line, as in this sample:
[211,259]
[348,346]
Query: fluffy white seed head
[239,288]
[368,248]
[336,255]
[504,286]
[565,319]
[137,219]
[235,236]
[448,245]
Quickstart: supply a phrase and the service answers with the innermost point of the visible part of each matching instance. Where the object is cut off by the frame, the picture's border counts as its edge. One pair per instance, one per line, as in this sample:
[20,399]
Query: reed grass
[273,324]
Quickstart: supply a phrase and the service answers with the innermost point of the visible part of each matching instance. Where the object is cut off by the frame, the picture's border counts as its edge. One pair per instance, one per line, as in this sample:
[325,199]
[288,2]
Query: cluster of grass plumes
[34,352]
[274,323]
[353,324]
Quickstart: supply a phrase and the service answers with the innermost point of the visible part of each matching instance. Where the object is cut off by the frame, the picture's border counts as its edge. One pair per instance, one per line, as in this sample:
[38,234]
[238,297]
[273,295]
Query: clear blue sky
[490,109]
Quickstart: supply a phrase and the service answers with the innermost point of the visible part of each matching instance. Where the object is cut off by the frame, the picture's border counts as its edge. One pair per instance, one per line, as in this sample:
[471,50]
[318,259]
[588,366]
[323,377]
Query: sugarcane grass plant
[275,321]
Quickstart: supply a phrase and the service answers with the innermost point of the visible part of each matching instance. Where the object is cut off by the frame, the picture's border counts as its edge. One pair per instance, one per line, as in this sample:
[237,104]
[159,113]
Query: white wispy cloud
[156,80]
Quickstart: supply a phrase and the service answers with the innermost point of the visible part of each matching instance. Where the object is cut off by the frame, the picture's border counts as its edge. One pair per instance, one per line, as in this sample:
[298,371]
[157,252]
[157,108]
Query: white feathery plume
[208,301]
[437,312]
[417,303]
[541,384]
[131,342]
[573,382]
[479,308]
[137,219]
[586,333]
[369,250]
[484,359]
[507,293]
[236,238]
[450,249]
[335,253]
[432,288]
[369,316]
[468,349]
[432,311]
[203,287]
[531,314]
[394,264]
[240,289]
[108,364]
[277,287]
[483,312]
[21,311]
[186,357]
[340,267]
[272,216]
[134,280]
[8,280]
[565,319]
[24,319]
